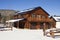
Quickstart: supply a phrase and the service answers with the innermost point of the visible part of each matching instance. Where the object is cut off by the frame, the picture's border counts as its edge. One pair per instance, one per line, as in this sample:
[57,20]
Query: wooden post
[51,25]
[18,24]
[44,28]
[38,26]
[27,25]
[11,26]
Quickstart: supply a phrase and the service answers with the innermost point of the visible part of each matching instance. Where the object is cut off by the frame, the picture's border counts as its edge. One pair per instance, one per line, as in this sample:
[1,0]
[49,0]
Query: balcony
[39,19]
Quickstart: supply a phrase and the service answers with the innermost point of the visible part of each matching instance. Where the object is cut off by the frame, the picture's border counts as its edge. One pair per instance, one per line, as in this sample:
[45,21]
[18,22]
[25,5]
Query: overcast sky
[51,6]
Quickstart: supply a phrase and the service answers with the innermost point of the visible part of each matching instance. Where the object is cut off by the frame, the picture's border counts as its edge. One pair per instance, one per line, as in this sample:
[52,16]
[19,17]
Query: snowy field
[25,34]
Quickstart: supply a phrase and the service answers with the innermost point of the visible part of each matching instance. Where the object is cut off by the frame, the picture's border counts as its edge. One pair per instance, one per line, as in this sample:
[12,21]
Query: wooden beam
[44,28]
[18,24]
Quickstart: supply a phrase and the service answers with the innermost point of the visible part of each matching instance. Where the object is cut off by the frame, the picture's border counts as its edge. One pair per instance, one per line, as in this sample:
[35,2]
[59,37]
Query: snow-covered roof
[57,19]
[30,9]
[26,10]
[14,20]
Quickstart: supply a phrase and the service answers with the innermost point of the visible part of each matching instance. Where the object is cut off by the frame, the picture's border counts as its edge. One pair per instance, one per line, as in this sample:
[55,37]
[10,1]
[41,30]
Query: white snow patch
[58,24]
[24,34]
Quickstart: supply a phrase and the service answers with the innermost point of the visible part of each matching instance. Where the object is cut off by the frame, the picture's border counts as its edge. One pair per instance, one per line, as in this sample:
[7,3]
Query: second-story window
[39,16]
[43,17]
[33,15]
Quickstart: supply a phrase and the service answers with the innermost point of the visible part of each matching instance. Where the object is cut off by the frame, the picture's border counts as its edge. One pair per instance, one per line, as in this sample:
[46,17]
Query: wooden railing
[39,19]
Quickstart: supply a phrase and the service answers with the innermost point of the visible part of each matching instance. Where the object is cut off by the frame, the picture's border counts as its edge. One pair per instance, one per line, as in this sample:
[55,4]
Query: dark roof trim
[42,9]
[53,19]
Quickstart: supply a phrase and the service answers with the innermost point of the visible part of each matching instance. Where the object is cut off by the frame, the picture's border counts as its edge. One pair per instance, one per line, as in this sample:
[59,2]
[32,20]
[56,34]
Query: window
[33,15]
[39,16]
[43,17]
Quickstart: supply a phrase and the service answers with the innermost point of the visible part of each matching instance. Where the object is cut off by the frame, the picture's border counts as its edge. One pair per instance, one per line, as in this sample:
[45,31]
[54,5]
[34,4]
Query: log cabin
[36,18]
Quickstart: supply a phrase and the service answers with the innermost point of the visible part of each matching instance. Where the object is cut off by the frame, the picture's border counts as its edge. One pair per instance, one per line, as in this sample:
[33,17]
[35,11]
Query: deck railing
[39,19]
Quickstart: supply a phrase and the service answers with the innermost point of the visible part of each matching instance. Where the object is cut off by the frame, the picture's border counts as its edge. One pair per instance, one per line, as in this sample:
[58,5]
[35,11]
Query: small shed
[57,18]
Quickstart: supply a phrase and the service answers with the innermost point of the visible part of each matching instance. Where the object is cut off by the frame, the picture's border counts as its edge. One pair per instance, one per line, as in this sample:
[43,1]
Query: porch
[37,25]
[34,24]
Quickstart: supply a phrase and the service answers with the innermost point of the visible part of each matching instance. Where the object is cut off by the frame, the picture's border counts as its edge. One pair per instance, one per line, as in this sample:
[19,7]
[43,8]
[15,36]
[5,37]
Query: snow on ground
[25,34]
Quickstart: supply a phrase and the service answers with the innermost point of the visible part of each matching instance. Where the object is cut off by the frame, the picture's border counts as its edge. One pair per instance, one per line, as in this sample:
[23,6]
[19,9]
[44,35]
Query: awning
[14,20]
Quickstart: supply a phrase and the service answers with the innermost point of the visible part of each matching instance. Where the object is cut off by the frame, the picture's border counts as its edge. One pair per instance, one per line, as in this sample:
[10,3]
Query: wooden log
[44,28]
[52,33]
